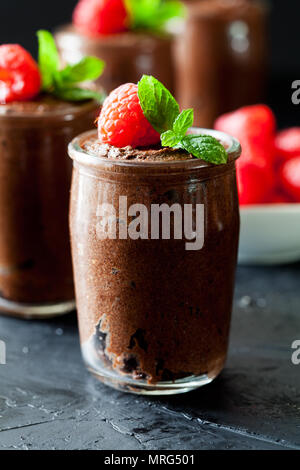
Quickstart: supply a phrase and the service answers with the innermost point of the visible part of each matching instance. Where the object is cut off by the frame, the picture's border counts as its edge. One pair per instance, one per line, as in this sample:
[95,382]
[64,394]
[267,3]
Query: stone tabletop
[49,401]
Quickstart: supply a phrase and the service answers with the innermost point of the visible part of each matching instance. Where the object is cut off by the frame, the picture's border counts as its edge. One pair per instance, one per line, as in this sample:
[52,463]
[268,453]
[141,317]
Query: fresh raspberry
[100,17]
[20,78]
[287,144]
[254,182]
[256,123]
[290,177]
[254,126]
[122,122]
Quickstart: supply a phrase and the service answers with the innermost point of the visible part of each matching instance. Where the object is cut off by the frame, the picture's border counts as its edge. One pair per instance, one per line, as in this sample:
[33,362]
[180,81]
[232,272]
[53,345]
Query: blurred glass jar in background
[221,56]
[36,277]
[128,55]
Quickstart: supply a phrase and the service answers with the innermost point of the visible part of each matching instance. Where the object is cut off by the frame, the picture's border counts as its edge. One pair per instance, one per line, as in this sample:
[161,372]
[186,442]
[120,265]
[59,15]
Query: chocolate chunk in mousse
[155,153]
[94,147]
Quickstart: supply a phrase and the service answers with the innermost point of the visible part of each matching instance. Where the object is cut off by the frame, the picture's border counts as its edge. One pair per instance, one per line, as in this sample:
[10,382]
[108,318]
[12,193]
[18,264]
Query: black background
[19,19]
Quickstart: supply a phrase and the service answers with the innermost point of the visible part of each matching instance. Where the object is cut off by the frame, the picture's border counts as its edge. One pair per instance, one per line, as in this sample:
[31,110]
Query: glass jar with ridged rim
[154,236]
[36,278]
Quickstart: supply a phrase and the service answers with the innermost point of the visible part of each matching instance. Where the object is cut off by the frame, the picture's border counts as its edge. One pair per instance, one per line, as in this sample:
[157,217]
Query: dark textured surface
[49,401]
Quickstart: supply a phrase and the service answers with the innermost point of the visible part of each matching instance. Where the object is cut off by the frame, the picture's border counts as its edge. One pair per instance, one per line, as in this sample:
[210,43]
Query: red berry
[20,78]
[256,123]
[122,122]
[290,177]
[287,144]
[254,126]
[254,182]
[278,197]
[99,17]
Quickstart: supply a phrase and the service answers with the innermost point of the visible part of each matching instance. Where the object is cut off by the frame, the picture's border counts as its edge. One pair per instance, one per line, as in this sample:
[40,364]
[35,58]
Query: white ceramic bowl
[270,234]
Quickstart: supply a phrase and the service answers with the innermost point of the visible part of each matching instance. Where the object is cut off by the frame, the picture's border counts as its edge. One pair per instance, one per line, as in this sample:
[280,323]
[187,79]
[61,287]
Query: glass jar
[221,57]
[36,278]
[154,307]
[127,55]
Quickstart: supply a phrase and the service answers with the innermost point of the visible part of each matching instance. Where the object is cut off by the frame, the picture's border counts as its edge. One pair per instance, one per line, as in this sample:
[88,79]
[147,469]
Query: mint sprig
[162,111]
[204,147]
[48,58]
[64,83]
[181,124]
[152,15]
[158,105]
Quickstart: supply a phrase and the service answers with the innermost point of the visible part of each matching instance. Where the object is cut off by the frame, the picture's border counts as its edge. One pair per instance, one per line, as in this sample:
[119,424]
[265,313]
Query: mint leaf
[205,147]
[48,58]
[169,139]
[162,112]
[183,122]
[89,68]
[61,83]
[159,106]
[77,94]
[153,14]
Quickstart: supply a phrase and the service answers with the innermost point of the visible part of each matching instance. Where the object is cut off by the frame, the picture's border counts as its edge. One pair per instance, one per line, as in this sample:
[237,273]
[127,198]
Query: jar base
[35,311]
[159,389]
[126,384]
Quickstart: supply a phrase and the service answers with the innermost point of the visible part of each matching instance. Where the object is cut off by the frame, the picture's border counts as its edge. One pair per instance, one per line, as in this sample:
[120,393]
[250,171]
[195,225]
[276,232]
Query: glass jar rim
[67,112]
[82,156]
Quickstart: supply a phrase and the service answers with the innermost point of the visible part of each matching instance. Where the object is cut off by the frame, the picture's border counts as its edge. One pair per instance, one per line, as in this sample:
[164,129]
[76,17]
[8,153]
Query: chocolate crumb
[138,339]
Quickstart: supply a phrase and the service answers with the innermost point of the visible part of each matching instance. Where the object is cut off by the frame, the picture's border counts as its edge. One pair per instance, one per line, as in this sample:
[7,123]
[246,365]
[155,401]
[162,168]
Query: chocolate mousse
[35,175]
[154,316]
[221,57]
[127,55]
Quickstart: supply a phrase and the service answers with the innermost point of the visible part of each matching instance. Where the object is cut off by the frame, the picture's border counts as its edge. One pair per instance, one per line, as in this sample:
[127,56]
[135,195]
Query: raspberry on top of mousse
[147,114]
[99,17]
[20,78]
[96,18]
[122,122]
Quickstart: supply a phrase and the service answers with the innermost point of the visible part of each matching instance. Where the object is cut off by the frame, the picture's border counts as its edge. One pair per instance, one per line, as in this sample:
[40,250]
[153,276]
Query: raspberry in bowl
[38,118]
[131,36]
[146,280]
[269,185]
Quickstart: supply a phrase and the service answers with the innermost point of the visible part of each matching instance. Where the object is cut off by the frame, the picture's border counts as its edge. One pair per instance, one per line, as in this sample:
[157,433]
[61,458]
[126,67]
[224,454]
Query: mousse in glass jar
[132,37]
[221,56]
[36,125]
[154,308]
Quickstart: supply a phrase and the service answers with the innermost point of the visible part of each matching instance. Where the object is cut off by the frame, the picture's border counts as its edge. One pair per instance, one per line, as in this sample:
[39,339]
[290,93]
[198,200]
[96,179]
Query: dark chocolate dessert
[128,55]
[132,37]
[149,309]
[35,177]
[221,57]
[42,108]
[154,232]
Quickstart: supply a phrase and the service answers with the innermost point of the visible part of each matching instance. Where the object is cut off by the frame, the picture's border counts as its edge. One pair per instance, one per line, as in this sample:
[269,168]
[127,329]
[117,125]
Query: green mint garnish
[159,106]
[63,83]
[205,147]
[180,127]
[48,58]
[152,15]
[89,68]
[162,111]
